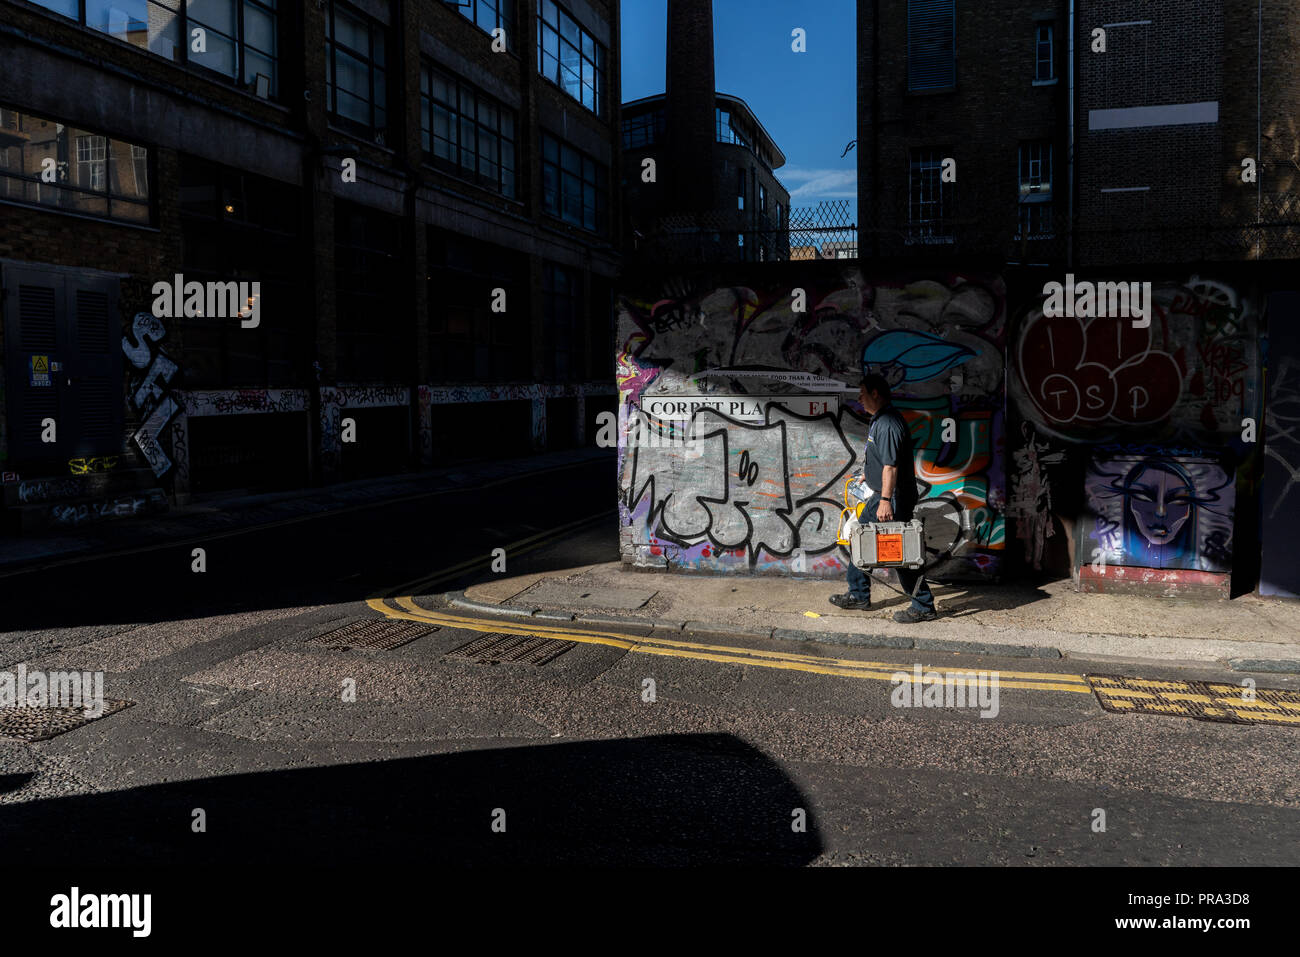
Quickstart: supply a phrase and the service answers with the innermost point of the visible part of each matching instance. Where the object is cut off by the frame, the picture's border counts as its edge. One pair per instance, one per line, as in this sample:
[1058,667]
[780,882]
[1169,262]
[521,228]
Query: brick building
[1064,153]
[421,191]
[1122,140]
[1183,94]
[981,85]
[715,196]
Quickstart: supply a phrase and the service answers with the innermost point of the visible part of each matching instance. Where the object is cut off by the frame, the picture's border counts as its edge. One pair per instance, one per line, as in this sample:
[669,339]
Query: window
[762,199]
[469,342]
[929,200]
[355,71]
[1036,207]
[140,169]
[574,186]
[740,188]
[562,311]
[236,226]
[931,44]
[66,7]
[726,130]
[92,162]
[569,56]
[644,130]
[95,174]
[375,326]
[487,15]
[239,38]
[729,130]
[466,132]
[1044,65]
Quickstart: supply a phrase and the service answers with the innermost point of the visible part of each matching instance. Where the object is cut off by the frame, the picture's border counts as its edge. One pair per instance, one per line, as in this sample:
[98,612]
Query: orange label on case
[889,548]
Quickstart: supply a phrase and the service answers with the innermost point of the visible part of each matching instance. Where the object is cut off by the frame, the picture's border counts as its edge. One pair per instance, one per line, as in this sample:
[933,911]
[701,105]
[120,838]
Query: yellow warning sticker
[889,548]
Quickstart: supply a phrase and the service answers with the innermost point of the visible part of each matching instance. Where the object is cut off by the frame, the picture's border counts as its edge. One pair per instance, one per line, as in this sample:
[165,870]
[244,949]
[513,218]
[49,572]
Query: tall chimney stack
[690,90]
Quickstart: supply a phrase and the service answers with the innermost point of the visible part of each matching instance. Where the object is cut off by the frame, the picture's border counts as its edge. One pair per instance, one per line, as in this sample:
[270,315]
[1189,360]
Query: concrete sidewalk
[215,516]
[1048,621]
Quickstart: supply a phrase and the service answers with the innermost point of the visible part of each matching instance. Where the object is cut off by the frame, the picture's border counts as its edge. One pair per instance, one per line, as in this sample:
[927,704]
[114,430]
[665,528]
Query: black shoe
[910,617]
[850,603]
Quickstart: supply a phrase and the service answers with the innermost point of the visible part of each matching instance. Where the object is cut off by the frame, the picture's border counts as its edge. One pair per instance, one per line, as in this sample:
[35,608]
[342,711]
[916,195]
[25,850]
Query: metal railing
[1267,230]
[824,231]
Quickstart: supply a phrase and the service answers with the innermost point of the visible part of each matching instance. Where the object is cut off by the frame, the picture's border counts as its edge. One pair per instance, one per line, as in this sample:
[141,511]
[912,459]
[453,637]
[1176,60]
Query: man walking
[890,471]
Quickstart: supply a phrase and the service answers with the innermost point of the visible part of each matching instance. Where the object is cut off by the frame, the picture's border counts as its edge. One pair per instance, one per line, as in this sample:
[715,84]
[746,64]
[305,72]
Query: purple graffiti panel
[1160,511]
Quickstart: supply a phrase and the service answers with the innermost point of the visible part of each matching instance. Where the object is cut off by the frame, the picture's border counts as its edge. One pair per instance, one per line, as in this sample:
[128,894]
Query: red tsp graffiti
[1103,373]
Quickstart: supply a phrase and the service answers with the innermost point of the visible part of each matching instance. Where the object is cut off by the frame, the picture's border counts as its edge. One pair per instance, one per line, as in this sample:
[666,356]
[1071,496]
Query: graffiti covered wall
[739,423]
[1150,422]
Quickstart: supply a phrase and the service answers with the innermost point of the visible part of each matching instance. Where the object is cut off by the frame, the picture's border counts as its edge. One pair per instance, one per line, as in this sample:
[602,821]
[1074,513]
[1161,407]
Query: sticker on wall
[40,371]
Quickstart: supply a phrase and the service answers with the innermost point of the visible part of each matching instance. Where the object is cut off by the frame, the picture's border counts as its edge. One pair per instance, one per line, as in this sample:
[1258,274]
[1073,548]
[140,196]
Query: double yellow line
[399,603]
[404,607]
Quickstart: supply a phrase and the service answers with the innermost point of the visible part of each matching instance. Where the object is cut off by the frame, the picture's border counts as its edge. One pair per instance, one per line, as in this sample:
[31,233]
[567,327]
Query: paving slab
[1048,621]
[556,594]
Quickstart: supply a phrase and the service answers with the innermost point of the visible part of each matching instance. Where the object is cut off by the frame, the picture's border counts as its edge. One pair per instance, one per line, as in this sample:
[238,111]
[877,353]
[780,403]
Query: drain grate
[525,649]
[39,724]
[381,633]
[1202,700]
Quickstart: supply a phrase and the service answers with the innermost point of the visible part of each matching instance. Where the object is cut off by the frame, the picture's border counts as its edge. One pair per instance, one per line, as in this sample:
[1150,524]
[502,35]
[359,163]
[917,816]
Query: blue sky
[807,101]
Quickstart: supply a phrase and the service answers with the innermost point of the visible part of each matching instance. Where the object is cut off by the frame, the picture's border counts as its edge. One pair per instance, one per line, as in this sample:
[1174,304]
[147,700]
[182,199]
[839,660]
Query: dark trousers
[913,583]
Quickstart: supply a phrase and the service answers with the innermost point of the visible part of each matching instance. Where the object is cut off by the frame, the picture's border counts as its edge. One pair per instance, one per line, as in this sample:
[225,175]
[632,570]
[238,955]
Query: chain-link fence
[824,231]
[1265,227]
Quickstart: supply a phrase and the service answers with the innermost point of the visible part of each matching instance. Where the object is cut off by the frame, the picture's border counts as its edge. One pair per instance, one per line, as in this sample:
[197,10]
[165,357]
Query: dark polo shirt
[889,442]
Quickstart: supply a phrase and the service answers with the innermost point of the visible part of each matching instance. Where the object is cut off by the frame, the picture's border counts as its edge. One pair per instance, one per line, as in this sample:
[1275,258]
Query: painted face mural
[1162,512]
[1160,501]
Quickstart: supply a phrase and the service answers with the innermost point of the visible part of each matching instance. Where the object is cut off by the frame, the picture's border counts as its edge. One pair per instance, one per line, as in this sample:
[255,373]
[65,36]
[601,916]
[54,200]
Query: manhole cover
[381,633]
[38,724]
[1203,700]
[525,649]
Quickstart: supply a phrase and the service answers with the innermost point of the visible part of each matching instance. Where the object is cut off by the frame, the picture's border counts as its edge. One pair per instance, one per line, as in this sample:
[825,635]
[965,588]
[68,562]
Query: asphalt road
[240,719]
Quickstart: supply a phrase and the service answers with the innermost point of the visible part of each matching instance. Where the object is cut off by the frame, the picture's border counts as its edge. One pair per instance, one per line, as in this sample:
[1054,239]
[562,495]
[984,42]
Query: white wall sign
[743,408]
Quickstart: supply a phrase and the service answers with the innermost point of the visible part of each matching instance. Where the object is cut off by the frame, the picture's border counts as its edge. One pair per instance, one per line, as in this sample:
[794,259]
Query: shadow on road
[334,558]
[665,800]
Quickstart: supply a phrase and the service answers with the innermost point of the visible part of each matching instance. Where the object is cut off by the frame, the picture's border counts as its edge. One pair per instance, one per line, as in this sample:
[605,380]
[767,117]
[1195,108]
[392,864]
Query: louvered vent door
[33,304]
[63,361]
[931,44]
[94,374]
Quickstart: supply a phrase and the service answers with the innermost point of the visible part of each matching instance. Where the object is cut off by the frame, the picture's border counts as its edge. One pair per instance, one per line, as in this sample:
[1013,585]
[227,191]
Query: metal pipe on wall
[1069,159]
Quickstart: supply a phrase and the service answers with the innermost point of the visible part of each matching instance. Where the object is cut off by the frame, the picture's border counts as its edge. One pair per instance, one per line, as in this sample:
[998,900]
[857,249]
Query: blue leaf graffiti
[920,355]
